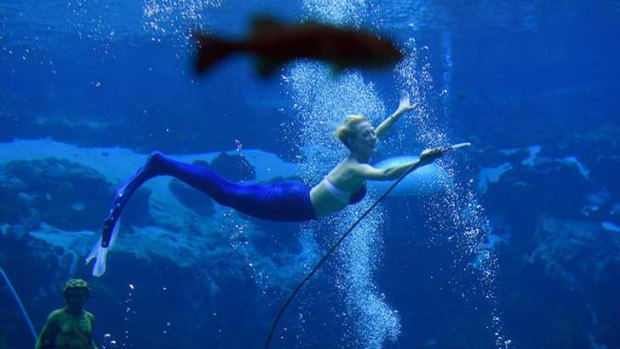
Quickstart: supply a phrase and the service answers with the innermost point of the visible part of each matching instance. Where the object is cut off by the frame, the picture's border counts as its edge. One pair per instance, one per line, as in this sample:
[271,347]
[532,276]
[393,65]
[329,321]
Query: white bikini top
[341,195]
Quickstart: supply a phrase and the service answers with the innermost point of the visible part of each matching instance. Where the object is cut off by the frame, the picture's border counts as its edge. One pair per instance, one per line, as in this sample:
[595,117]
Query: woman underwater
[284,201]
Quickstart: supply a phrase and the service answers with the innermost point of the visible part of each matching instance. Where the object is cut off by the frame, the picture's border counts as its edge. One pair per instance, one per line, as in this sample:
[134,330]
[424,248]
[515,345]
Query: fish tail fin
[210,51]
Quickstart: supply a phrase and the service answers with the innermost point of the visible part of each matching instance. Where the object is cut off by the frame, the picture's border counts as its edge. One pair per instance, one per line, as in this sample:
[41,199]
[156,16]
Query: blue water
[516,245]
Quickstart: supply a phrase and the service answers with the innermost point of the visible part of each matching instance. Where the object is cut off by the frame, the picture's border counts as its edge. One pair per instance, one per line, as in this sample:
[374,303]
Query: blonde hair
[347,130]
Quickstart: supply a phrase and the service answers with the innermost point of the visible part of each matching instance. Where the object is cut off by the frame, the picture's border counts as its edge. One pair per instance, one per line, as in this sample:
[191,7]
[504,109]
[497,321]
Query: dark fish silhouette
[275,44]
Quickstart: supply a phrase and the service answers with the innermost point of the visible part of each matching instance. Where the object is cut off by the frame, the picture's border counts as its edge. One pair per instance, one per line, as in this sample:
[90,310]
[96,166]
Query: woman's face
[365,139]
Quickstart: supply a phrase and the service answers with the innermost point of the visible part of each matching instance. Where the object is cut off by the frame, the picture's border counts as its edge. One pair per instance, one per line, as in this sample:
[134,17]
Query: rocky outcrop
[576,252]
[62,193]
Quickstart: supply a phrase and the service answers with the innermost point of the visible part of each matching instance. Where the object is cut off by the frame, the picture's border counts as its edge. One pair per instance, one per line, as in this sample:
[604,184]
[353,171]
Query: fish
[276,44]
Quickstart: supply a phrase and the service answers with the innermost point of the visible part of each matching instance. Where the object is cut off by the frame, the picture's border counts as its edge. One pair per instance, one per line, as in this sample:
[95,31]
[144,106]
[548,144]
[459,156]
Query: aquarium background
[515,243]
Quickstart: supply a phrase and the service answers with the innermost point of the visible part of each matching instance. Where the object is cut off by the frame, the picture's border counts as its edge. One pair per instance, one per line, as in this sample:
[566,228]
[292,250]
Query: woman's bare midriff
[323,201]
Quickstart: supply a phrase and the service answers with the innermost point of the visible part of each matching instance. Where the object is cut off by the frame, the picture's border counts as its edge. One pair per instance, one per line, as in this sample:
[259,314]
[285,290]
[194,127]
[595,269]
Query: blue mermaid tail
[282,201]
[125,191]
[111,224]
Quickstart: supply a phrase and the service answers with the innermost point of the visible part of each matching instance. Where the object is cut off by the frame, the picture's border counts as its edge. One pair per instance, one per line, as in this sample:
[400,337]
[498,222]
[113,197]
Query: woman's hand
[430,155]
[404,104]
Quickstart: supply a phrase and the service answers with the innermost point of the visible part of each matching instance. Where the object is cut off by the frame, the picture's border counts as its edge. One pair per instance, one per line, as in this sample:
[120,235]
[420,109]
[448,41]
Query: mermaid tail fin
[125,191]
[100,253]
[121,196]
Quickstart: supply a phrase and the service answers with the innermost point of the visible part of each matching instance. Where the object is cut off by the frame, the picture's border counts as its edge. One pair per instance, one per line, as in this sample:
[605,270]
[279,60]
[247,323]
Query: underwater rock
[235,168]
[575,251]
[62,193]
[65,194]
[576,268]
[544,186]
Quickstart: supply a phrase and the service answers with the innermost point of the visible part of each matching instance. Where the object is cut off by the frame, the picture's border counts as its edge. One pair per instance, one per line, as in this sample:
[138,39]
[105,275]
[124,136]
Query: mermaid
[344,185]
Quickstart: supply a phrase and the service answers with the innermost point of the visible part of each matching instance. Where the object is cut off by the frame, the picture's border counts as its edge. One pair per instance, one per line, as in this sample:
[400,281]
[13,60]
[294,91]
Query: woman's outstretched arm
[403,106]
[394,172]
